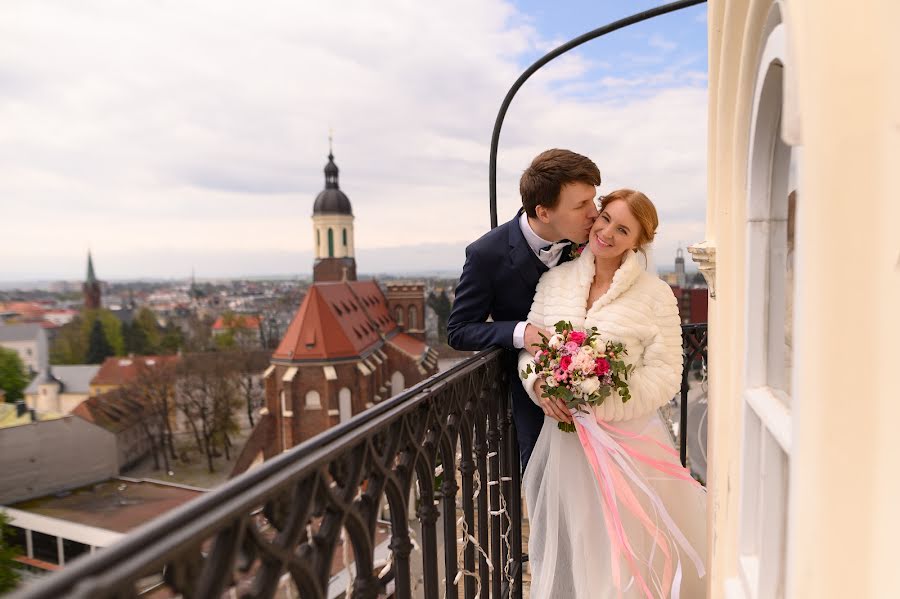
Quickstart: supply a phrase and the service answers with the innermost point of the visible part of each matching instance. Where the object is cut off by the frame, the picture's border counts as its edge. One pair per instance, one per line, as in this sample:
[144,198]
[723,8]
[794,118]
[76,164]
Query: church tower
[91,287]
[679,268]
[333,231]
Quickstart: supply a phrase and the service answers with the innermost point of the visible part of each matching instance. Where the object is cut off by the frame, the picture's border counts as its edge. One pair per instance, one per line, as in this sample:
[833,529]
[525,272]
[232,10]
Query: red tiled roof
[26,309]
[114,410]
[241,321]
[120,370]
[409,345]
[337,320]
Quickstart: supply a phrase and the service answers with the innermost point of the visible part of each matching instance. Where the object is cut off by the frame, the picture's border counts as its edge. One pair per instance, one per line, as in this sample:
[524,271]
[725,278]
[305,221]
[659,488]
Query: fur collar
[625,277]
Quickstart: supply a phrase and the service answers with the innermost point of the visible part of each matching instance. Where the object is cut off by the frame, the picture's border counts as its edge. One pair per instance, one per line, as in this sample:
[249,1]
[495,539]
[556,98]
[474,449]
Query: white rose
[590,385]
[555,341]
[551,381]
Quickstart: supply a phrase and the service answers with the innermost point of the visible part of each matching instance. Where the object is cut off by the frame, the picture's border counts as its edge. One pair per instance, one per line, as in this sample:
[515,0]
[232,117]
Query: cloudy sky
[168,135]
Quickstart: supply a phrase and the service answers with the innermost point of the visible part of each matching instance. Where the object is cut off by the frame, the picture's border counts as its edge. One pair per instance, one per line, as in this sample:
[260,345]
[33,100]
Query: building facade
[29,340]
[803,145]
[59,389]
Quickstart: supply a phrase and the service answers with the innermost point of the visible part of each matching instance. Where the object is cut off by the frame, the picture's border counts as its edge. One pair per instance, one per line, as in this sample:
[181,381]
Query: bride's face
[615,231]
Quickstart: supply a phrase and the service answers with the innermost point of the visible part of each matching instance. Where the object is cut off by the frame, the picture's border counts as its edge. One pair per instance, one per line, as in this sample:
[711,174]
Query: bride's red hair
[641,208]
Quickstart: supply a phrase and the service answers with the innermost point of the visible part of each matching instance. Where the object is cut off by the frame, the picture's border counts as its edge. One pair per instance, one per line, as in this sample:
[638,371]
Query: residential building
[29,340]
[60,388]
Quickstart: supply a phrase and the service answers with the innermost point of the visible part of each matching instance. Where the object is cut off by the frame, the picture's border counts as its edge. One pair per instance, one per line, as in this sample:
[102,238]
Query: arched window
[767,414]
[412,318]
[313,400]
[318,240]
[345,237]
[345,404]
[285,409]
[330,242]
[397,383]
[398,315]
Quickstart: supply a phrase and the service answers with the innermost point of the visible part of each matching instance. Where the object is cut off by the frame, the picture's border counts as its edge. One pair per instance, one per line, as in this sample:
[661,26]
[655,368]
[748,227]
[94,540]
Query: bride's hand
[553,407]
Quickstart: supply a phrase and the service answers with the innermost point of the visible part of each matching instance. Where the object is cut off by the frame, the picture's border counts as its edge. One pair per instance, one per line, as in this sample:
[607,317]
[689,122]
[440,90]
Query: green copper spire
[91,277]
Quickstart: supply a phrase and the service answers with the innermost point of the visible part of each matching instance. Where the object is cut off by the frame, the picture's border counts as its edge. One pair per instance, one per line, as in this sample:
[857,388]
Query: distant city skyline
[164,138]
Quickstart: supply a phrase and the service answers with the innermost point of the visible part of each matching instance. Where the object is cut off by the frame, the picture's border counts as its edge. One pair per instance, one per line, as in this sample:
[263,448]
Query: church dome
[332,200]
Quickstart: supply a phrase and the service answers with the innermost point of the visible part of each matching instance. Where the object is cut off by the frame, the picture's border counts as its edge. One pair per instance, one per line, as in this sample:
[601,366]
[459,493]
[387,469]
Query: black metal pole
[495,137]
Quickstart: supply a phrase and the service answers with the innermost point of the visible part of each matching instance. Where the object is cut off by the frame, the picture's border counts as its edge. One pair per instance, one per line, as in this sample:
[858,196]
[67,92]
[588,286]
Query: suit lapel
[521,257]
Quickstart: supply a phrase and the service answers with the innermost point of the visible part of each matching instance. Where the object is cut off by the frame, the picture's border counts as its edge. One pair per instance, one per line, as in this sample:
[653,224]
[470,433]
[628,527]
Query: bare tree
[154,388]
[250,365]
[208,397]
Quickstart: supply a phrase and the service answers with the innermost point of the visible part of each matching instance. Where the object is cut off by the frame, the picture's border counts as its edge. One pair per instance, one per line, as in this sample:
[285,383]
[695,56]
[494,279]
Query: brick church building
[349,345]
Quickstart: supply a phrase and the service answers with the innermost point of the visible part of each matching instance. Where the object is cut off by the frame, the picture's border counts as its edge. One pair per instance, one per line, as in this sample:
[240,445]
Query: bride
[624,519]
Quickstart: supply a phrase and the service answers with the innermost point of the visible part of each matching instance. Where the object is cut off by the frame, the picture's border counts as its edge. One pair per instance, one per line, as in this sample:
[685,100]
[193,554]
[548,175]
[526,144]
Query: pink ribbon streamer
[613,463]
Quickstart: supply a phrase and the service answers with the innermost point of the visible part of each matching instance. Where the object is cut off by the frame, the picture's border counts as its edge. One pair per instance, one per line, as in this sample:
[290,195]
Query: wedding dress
[625,520]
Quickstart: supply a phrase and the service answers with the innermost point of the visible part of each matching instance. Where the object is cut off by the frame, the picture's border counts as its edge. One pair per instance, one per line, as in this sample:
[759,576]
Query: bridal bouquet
[580,369]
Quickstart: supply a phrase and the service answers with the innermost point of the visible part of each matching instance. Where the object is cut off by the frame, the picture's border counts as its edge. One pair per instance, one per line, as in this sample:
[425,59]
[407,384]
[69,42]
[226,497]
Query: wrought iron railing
[444,450]
[449,439]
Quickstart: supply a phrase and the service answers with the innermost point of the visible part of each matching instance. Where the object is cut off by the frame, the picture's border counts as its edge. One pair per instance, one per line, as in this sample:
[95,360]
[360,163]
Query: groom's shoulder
[494,243]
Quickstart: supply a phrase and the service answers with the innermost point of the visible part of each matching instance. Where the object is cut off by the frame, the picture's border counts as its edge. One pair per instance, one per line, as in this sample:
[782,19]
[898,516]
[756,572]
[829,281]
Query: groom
[503,267]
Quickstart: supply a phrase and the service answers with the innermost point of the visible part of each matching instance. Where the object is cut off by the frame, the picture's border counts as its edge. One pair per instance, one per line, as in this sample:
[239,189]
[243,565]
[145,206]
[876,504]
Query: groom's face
[574,214]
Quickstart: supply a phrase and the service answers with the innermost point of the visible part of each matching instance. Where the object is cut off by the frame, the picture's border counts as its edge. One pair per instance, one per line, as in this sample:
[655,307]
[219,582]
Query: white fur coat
[639,311]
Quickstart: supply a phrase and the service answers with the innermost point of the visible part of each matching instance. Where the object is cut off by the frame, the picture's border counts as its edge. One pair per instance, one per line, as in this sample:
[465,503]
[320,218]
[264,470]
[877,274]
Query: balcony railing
[417,493]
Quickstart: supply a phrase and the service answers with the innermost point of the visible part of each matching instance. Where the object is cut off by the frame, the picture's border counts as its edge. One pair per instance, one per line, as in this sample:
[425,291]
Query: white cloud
[199,129]
[661,43]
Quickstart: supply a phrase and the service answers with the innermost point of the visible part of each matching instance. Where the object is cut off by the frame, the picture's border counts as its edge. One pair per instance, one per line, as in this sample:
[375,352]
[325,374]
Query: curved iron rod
[495,137]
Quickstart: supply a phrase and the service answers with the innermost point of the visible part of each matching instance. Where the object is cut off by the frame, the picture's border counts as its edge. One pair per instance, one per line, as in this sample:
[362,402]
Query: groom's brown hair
[549,171]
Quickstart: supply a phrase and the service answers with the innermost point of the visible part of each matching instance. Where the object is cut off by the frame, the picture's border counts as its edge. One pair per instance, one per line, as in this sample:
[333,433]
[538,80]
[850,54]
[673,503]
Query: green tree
[146,320]
[98,347]
[9,571]
[72,340]
[13,378]
[172,339]
[112,329]
[135,338]
[70,344]
[441,305]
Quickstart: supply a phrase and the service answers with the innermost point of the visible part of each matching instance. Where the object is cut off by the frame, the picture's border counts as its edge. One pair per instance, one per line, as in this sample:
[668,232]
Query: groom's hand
[553,407]
[533,339]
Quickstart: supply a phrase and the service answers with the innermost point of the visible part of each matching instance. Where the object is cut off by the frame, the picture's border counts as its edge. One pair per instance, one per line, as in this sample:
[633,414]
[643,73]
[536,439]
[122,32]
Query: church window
[412,317]
[398,315]
[330,242]
[313,400]
[345,237]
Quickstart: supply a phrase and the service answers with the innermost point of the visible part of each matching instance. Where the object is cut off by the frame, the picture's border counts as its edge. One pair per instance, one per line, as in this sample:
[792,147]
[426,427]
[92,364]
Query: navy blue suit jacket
[498,281]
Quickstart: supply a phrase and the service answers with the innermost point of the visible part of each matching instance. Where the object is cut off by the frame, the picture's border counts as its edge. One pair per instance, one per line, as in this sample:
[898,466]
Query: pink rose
[561,375]
[565,363]
[571,347]
[601,366]
[577,337]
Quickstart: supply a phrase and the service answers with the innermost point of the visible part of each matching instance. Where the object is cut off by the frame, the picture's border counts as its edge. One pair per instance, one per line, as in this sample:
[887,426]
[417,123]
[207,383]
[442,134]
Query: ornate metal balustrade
[447,445]
[333,514]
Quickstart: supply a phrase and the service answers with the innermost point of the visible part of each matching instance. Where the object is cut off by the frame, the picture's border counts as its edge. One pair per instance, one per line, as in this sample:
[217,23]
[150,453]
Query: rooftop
[118,504]
[337,320]
[74,378]
[19,332]
[114,411]
[122,370]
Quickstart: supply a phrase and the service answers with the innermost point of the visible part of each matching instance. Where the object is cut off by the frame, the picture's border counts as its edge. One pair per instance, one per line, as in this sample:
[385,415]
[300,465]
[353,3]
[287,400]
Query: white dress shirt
[550,257]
